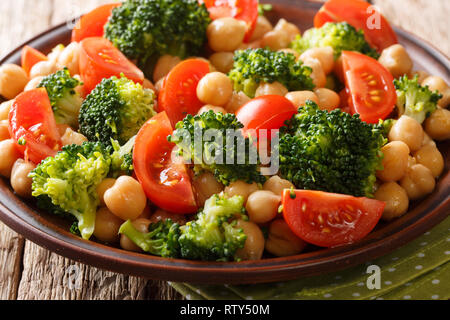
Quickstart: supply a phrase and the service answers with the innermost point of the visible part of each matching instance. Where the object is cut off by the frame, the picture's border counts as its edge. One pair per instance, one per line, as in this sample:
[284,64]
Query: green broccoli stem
[137,237]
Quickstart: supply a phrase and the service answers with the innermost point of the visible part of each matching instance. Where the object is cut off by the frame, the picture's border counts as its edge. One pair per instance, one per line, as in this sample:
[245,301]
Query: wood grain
[30,272]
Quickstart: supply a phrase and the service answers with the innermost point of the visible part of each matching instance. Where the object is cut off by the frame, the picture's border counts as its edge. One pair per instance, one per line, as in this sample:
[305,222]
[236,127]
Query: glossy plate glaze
[52,233]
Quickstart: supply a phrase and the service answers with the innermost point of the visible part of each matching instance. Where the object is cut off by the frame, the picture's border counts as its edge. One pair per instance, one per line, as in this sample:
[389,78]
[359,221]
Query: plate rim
[267,270]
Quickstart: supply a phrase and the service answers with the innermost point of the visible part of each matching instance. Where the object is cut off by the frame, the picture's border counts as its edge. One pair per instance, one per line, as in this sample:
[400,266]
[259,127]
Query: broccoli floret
[340,36]
[64,97]
[263,8]
[213,235]
[116,109]
[122,158]
[146,29]
[70,180]
[414,100]
[161,239]
[331,151]
[229,159]
[254,66]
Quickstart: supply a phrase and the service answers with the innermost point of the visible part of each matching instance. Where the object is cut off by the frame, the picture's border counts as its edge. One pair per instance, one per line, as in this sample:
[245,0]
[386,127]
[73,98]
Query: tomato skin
[165,181]
[370,87]
[330,219]
[178,94]
[31,118]
[357,13]
[99,59]
[92,23]
[245,10]
[30,57]
[265,112]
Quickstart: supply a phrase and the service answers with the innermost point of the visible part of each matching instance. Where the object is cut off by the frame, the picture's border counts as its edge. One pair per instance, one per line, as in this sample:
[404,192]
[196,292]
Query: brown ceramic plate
[52,233]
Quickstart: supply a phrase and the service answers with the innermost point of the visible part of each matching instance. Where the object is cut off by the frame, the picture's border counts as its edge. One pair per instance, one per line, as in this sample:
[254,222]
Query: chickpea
[13,80]
[328,99]
[291,51]
[43,69]
[56,52]
[141,225]
[205,186]
[275,88]
[282,242]
[411,162]
[215,88]
[222,61]
[107,226]
[318,75]
[437,83]
[70,58]
[409,131]
[288,28]
[71,137]
[396,60]
[418,182]
[251,45]
[298,98]
[20,182]
[8,156]
[254,245]
[126,198]
[437,125]
[164,65]
[5,107]
[396,200]
[209,107]
[33,83]
[102,187]
[161,215]
[147,84]
[421,75]
[430,157]
[325,55]
[158,85]
[427,140]
[276,185]
[4,130]
[263,26]
[395,161]
[241,188]
[276,40]
[238,99]
[262,206]
[226,34]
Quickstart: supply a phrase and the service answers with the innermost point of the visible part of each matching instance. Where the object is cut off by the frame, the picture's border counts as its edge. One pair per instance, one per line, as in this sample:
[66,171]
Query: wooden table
[30,272]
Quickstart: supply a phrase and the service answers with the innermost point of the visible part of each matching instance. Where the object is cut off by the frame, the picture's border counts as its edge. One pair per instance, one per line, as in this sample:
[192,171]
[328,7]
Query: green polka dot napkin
[418,270]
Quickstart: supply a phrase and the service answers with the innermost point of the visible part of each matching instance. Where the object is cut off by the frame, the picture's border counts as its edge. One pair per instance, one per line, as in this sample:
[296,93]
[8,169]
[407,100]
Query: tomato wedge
[92,24]
[178,94]
[30,57]
[165,181]
[330,219]
[370,87]
[358,13]
[245,10]
[265,112]
[99,59]
[32,125]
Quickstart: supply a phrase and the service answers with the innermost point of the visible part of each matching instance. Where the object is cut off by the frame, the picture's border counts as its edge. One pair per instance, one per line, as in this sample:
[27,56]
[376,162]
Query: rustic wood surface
[30,272]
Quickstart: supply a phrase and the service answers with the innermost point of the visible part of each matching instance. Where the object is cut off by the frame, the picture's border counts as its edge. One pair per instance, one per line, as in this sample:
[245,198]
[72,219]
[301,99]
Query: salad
[198,130]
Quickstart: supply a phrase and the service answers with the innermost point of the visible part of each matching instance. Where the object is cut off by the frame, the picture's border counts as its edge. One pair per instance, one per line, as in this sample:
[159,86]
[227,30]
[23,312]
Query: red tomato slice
[358,14]
[178,94]
[370,86]
[32,122]
[330,219]
[265,112]
[245,10]
[166,182]
[30,57]
[99,59]
[92,24]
